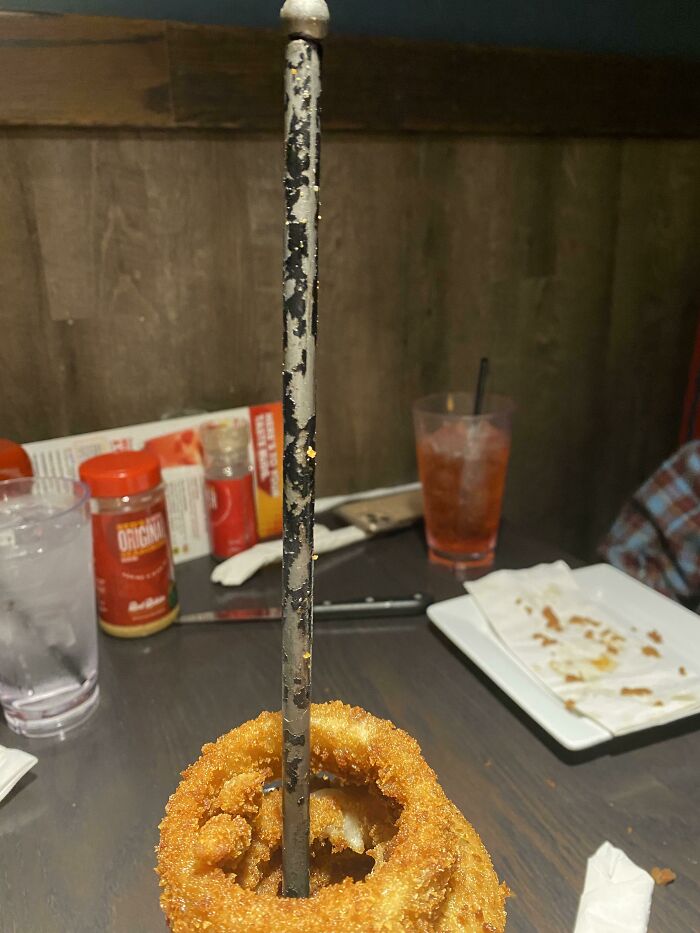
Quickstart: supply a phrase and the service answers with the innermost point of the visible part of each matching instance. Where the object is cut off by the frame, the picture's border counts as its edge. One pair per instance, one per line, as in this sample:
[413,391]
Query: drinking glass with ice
[462,462]
[48,634]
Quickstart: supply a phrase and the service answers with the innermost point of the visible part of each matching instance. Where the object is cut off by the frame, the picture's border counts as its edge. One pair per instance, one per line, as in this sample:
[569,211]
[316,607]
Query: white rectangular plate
[636,605]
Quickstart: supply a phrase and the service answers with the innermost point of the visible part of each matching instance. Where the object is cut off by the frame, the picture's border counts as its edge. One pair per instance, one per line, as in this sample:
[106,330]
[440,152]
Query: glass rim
[76,484]
[505,405]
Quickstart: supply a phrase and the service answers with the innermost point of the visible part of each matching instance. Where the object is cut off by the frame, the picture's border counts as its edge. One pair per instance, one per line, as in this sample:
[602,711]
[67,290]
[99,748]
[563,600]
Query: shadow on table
[616,746]
[23,782]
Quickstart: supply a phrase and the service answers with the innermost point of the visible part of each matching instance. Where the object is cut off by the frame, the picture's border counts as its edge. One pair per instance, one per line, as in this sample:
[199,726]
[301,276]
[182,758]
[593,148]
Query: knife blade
[369,607]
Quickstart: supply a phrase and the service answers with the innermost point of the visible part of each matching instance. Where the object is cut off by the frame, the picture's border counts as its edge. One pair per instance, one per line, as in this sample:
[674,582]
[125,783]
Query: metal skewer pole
[306,22]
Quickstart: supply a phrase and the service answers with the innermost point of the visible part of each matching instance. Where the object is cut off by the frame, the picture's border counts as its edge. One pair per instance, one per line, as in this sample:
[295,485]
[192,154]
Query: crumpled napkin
[616,894]
[593,659]
[241,567]
[14,764]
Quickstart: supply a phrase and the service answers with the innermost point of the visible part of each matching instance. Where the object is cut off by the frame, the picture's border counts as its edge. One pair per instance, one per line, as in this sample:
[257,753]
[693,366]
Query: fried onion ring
[219,859]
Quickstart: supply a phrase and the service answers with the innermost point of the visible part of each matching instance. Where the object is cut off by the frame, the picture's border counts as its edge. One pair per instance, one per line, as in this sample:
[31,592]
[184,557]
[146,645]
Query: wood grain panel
[83,71]
[99,71]
[655,304]
[62,181]
[369,301]
[162,289]
[527,283]
[437,86]
[226,77]
[140,275]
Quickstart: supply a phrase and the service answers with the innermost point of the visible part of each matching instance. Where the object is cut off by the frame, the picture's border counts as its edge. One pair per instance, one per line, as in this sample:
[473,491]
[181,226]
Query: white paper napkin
[239,568]
[14,764]
[616,894]
[599,664]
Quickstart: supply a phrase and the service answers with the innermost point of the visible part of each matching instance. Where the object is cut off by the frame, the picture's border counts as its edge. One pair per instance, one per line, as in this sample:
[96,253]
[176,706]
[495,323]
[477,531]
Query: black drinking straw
[481,385]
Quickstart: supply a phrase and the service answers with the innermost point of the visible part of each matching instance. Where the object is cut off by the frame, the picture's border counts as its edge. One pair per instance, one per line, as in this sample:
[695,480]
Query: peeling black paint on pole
[306,21]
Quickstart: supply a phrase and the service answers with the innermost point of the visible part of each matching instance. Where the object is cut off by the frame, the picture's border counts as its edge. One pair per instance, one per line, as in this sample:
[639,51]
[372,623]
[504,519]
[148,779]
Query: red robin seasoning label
[134,574]
[133,567]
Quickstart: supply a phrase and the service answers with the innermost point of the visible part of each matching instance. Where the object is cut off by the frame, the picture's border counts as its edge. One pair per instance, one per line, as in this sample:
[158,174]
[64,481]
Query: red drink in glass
[462,462]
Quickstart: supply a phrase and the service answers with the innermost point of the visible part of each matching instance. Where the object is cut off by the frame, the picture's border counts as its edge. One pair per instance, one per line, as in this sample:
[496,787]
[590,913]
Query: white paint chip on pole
[306,22]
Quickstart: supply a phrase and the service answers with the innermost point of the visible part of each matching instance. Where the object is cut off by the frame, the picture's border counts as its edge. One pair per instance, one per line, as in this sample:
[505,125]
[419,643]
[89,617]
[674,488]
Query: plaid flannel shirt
[656,537]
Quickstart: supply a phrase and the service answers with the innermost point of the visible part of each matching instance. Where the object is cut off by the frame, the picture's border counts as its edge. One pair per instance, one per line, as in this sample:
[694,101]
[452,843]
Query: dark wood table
[77,834]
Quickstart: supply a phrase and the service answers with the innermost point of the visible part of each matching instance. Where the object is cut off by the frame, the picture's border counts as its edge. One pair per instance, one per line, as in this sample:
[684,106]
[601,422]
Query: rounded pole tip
[308,18]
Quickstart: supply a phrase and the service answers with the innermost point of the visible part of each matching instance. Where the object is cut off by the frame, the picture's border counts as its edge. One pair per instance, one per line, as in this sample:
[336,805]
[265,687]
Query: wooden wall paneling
[39,371]
[570,264]
[655,304]
[32,398]
[83,71]
[365,310]
[179,254]
[529,276]
[226,77]
[563,350]
[206,329]
[99,71]
[61,176]
[426,335]
[409,86]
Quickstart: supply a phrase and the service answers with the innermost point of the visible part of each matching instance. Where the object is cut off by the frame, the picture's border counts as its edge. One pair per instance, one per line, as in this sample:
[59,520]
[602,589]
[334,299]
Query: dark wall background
[637,27]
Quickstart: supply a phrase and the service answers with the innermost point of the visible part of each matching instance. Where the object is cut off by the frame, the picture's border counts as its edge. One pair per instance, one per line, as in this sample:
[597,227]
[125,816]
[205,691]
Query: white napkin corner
[616,894]
[14,764]
[239,568]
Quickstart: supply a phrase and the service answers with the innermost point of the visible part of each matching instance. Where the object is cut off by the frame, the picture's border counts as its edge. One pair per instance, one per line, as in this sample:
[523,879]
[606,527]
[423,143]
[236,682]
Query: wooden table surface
[77,833]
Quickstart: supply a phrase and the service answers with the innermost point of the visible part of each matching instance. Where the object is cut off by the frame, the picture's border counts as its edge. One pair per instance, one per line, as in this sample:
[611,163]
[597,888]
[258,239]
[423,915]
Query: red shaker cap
[14,460]
[124,473]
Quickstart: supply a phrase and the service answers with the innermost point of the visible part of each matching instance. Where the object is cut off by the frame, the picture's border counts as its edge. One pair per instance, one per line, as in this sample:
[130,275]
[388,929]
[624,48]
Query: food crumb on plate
[635,692]
[552,619]
[650,652]
[654,635]
[546,640]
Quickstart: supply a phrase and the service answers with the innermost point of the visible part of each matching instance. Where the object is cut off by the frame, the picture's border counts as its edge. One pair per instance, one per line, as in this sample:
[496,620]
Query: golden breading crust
[219,835]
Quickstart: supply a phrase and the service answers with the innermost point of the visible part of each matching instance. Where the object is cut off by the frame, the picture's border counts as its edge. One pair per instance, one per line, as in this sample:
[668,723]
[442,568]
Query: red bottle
[134,575]
[228,478]
[14,462]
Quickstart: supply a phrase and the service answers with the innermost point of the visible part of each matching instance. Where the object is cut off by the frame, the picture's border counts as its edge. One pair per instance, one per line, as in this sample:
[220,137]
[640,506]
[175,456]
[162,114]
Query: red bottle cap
[124,473]
[14,462]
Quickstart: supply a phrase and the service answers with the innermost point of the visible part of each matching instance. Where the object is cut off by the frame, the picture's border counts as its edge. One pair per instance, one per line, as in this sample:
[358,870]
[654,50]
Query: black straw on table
[306,22]
[481,385]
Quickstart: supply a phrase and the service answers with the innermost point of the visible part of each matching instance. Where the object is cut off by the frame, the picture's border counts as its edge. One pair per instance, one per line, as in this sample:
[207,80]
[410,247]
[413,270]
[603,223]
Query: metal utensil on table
[383,514]
[368,607]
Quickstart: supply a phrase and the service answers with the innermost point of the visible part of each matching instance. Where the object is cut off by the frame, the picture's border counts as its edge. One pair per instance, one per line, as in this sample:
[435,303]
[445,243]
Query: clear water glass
[48,631]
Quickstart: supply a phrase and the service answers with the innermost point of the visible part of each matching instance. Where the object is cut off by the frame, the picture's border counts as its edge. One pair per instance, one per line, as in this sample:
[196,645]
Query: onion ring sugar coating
[218,857]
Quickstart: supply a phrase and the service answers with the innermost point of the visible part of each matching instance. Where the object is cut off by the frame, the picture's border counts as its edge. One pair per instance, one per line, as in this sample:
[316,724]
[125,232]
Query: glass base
[50,722]
[482,560]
